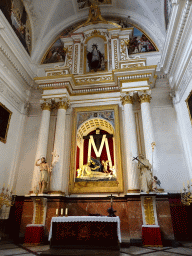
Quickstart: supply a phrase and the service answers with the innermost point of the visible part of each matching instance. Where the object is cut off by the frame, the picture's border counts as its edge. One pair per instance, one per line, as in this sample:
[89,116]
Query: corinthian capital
[46,104]
[144,96]
[127,98]
[62,103]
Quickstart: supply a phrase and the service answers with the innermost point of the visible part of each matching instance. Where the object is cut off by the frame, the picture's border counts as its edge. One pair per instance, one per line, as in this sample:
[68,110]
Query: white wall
[172,168]
[9,151]
[28,146]
[185,128]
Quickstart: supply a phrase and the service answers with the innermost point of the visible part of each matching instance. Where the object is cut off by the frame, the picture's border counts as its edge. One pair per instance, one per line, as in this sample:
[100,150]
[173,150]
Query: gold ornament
[149,212]
[128,99]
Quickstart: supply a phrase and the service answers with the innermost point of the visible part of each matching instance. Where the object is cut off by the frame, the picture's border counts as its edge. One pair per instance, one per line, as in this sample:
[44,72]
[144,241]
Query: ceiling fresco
[82,4]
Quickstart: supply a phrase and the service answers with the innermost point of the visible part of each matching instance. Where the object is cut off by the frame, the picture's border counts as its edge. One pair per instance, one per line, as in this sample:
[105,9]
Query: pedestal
[151,236]
[34,234]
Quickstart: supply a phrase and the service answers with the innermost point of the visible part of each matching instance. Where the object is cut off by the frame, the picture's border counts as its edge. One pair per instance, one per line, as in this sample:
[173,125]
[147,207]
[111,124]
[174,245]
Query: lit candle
[61,211]
[66,211]
[56,211]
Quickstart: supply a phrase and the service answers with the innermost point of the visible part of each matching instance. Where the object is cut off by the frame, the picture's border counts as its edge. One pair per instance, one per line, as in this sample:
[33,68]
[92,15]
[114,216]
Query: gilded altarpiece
[96,154]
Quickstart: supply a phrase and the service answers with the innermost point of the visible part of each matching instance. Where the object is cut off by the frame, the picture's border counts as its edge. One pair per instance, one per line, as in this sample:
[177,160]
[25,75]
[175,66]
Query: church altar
[85,231]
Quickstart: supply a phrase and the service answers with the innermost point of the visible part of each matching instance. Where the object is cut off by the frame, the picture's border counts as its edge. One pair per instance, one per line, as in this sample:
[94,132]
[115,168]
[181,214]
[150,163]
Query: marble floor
[9,248]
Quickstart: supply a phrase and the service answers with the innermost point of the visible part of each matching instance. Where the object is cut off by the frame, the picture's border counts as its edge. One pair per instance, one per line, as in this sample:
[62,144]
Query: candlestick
[61,211]
[66,212]
[56,212]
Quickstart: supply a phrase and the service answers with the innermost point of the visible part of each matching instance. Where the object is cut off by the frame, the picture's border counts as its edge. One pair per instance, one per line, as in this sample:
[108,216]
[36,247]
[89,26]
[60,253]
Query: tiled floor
[8,248]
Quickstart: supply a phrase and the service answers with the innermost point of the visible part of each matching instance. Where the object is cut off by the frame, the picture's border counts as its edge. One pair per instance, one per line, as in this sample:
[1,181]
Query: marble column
[145,98]
[42,140]
[130,144]
[59,146]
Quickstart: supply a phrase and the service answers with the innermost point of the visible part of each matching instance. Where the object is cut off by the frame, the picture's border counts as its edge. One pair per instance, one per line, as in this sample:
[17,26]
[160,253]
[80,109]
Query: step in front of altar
[78,252]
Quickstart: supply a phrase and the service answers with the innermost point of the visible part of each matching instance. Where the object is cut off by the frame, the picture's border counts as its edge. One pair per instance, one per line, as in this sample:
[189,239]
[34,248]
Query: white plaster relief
[186,78]
[1,87]
[179,34]
[15,66]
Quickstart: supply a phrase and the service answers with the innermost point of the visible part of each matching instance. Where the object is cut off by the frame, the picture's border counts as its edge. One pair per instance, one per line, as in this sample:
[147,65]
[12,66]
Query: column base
[59,192]
[133,191]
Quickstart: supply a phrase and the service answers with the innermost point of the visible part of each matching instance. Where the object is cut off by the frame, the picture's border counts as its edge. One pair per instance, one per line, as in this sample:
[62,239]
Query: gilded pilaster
[149,212]
[39,212]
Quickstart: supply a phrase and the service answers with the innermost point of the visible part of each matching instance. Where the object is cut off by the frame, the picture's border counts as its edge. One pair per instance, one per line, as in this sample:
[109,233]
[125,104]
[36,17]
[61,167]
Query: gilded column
[42,139]
[145,98]
[130,144]
[59,146]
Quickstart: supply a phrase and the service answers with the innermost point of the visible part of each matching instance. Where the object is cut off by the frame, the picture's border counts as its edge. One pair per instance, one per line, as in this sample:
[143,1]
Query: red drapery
[77,158]
[34,234]
[151,236]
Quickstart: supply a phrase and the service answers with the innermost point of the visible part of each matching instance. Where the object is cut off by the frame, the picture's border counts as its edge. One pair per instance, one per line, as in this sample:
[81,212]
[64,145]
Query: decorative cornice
[12,97]
[100,82]
[5,53]
[144,96]
[179,33]
[187,77]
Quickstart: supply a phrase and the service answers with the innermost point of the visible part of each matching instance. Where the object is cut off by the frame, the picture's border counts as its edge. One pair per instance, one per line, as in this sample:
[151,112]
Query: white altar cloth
[87,219]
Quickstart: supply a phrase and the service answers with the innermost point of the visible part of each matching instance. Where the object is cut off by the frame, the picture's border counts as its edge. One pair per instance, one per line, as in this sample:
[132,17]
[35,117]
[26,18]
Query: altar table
[85,232]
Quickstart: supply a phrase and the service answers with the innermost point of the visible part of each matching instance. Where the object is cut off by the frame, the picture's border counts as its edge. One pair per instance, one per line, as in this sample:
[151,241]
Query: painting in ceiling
[14,11]
[82,4]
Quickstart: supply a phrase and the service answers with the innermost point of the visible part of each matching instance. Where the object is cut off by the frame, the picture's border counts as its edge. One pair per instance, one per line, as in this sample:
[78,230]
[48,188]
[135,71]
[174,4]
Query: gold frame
[96,186]
[190,115]
[4,140]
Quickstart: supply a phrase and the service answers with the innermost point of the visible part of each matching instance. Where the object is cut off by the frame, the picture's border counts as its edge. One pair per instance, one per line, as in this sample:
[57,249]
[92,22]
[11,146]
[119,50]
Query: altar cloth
[87,219]
[151,235]
[34,234]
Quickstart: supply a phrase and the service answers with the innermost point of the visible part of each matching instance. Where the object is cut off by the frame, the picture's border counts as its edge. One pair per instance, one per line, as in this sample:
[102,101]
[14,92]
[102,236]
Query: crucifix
[110,210]
[97,138]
